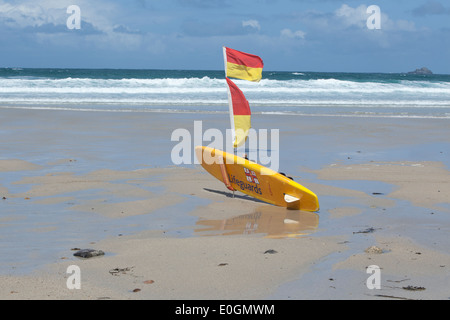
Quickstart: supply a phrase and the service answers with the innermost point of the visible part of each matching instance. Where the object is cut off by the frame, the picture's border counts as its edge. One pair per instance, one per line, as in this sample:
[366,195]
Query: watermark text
[374,280]
[74,280]
[257,147]
[374,20]
[74,20]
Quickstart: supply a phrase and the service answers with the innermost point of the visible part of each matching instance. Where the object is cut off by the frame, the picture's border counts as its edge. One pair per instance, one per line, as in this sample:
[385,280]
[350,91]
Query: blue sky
[291,35]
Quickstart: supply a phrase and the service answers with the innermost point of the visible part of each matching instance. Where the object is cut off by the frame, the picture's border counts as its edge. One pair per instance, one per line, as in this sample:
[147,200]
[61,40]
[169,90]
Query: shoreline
[78,181]
[162,109]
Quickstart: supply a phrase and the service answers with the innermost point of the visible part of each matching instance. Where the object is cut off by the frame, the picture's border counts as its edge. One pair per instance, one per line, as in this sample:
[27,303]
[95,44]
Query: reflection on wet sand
[275,222]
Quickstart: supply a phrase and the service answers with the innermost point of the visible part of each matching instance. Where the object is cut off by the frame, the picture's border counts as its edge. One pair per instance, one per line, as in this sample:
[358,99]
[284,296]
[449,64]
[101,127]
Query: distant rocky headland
[421,71]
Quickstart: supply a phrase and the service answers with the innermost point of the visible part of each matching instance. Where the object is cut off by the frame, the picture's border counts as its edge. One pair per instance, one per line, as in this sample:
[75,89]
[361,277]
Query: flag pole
[230,103]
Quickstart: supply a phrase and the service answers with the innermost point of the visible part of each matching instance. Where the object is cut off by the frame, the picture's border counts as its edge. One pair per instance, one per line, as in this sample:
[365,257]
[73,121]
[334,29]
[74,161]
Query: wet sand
[105,180]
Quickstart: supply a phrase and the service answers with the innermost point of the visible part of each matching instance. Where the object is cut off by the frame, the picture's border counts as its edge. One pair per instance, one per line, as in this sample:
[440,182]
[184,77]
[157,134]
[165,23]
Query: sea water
[302,93]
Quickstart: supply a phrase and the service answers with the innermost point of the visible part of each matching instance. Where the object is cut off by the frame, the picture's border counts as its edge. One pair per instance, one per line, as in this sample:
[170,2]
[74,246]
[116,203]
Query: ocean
[200,91]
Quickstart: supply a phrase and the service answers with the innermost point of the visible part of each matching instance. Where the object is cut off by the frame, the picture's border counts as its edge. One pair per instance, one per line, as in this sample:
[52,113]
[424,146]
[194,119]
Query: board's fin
[290,199]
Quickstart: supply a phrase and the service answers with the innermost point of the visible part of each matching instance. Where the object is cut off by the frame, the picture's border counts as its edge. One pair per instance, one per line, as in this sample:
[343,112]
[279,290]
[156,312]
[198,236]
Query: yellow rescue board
[255,180]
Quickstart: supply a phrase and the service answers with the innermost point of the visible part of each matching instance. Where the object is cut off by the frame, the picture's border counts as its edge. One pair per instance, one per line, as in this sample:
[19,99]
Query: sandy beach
[105,180]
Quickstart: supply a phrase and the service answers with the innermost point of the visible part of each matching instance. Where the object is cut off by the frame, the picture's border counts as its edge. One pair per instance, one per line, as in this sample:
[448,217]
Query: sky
[289,35]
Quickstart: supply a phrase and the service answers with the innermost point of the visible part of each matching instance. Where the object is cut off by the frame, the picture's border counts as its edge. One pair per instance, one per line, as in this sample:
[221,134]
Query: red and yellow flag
[239,113]
[242,65]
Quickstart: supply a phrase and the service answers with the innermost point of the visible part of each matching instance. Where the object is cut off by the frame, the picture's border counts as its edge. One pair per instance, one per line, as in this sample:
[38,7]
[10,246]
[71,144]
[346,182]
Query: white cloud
[288,33]
[352,16]
[24,15]
[29,13]
[46,21]
[347,16]
[251,23]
